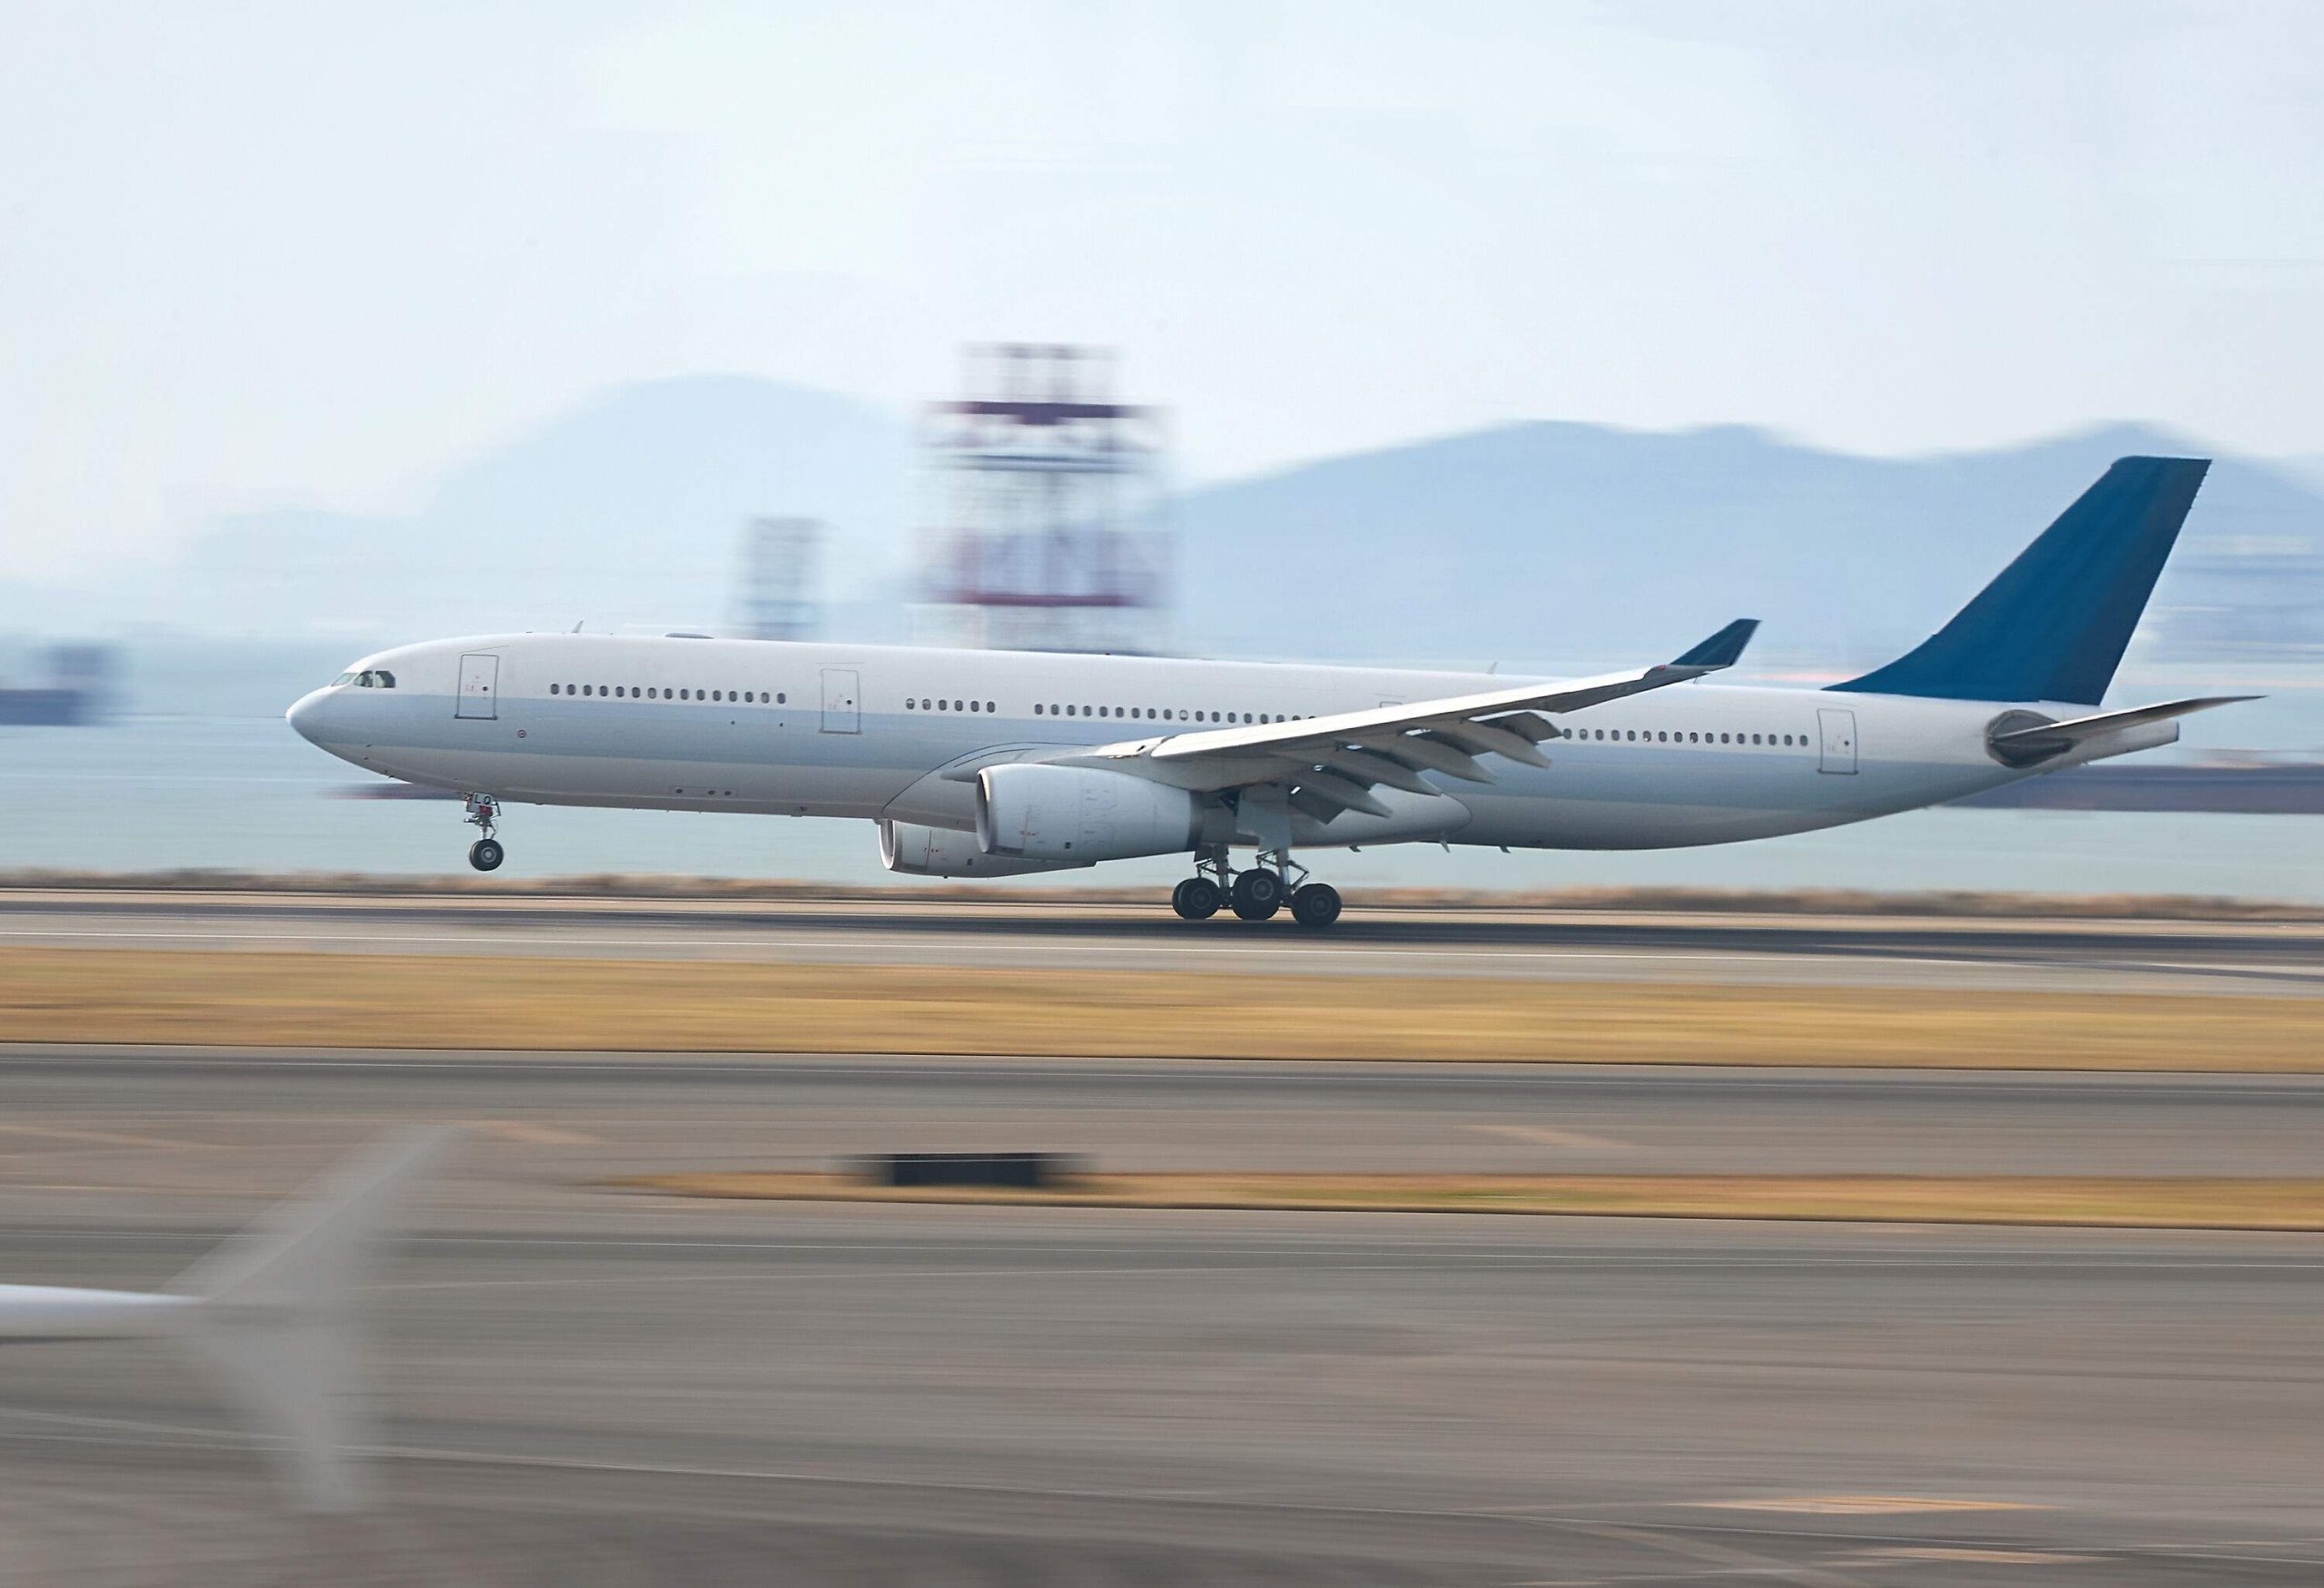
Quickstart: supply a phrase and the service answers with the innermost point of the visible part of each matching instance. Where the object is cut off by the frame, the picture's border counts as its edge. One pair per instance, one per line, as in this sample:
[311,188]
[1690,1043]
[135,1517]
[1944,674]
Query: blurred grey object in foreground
[276,1313]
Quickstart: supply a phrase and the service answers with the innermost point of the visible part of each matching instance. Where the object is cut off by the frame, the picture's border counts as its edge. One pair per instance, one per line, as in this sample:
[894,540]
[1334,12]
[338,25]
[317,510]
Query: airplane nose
[304,715]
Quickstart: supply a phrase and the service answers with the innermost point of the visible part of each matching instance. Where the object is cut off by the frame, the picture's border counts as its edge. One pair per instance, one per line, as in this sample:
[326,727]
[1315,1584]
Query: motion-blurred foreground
[590,1379]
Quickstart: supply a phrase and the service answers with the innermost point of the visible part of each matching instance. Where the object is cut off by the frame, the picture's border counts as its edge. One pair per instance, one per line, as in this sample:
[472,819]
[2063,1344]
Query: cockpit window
[342,678]
[387,680]
[371,678]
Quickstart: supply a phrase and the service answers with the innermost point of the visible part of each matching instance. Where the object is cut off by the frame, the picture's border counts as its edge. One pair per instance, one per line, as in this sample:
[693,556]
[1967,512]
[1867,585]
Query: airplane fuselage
[870,732]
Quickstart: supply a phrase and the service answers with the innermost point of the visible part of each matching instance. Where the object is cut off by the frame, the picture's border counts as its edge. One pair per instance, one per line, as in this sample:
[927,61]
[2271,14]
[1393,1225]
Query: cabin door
[842,714]
[1839,740]
[478,677]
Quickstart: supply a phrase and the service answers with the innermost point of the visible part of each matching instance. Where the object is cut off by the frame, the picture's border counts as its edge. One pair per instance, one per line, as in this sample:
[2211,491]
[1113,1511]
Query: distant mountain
[628,509]
[1560,544]
[1551,544]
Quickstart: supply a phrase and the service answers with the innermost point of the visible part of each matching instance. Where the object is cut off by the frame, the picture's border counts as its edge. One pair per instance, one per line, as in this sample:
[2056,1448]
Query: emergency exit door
[478,675]
[1839,740]
[842,714]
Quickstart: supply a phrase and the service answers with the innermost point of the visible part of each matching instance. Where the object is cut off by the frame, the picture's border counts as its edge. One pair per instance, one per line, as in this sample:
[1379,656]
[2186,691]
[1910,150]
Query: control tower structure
[782,563]
[1046,527]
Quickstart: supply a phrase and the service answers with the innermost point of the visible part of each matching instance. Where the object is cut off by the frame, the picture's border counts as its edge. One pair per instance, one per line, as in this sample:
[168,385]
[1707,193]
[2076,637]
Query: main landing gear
[484,814]
[1255,894]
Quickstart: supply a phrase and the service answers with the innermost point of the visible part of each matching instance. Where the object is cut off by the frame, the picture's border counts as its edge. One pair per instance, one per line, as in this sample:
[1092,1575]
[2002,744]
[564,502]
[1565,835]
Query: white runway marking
[1241,950]
[1543,1136]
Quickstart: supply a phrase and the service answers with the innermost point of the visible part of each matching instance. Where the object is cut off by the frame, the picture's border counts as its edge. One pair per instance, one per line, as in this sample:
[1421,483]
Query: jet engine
[1077,815]
[939,851]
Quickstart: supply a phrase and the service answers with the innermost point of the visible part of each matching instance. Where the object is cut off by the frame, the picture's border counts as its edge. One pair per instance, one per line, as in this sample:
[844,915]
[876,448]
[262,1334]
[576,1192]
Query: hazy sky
[261,252]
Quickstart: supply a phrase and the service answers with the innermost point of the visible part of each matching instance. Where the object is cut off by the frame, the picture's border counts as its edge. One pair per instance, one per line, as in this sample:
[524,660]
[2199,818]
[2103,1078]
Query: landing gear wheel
[1316,905]
[1258,893]
[486,855]
[1195,899]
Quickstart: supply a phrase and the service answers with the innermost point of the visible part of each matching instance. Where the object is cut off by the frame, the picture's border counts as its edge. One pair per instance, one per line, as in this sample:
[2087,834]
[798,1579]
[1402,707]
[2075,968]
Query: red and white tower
[1046,527]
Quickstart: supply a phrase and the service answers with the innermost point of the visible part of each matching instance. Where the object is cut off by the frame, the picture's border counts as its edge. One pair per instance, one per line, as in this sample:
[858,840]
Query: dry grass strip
[350,1001]
[2130,1203]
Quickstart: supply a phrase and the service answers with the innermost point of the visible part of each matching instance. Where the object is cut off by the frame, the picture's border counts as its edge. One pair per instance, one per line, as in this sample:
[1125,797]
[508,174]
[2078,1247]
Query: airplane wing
[1330,764]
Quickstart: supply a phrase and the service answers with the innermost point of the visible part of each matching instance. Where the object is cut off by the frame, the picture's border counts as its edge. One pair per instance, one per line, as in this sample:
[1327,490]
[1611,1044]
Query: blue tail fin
[2053,626]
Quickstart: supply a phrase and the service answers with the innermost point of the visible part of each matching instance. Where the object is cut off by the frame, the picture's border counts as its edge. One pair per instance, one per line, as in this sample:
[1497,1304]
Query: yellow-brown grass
[2146,1203]
[111,995]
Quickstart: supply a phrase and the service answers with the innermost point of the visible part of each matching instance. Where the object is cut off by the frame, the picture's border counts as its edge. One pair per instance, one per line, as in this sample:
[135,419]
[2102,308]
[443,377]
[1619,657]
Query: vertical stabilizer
[2054,625]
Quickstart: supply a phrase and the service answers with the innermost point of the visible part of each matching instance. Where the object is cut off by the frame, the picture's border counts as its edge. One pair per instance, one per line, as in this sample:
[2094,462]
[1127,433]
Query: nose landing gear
[484,814]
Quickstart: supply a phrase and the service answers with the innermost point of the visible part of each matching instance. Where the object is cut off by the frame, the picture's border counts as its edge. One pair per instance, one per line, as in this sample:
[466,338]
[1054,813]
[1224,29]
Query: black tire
[486,855]
[1195,899]
[1316,905]
[1258,893]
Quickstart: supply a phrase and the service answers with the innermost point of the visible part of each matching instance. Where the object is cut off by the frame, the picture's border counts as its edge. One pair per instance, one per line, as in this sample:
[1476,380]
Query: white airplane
[276,1313]
[994,763]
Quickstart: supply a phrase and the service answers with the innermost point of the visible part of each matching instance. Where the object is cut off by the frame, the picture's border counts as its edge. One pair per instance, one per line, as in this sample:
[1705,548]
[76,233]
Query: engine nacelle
[1077,815]
[939,851]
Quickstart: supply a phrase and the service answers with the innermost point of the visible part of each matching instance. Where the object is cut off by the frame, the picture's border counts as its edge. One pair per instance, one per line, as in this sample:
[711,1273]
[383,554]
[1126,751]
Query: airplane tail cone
[278,1313]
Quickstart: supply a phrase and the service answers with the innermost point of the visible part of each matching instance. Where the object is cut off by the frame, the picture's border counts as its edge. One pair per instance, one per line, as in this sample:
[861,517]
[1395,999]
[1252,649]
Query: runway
[2079,955]
[589,1385]
[887,1395]
[188,1122]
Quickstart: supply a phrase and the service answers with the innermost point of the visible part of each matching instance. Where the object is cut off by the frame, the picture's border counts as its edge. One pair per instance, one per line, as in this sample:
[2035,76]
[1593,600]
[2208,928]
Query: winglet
[1723,650]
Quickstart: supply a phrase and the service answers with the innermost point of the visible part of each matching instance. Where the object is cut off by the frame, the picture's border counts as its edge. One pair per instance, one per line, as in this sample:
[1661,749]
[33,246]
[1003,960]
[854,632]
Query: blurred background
[1537,336]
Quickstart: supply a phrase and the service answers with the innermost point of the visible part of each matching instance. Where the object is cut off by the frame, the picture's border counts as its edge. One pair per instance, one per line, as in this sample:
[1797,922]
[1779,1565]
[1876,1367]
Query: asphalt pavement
[590,1385]
[2079,955]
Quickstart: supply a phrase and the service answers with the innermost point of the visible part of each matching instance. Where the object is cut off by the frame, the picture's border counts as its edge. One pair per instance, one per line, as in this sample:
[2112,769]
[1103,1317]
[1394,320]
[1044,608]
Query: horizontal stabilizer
[2040,740]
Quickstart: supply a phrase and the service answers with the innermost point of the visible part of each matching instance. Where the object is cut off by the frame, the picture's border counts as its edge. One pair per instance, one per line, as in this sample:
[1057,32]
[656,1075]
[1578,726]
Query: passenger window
[780,697]
[976,705]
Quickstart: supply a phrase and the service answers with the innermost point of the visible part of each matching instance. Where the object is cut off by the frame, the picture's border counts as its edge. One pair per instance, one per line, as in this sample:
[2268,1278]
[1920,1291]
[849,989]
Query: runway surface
[2186,957]
[189,1122]
[591,1386]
